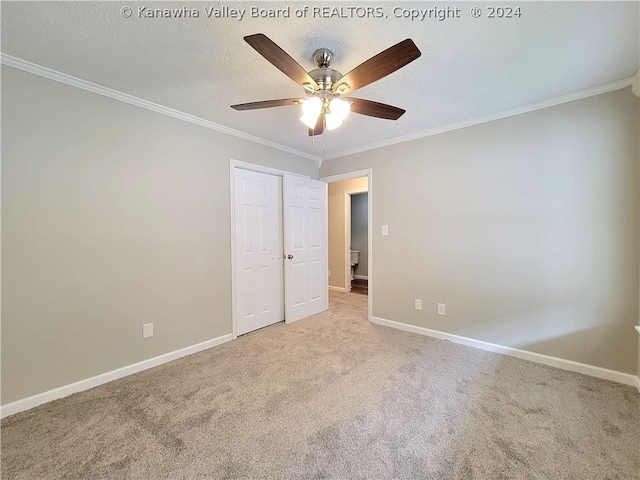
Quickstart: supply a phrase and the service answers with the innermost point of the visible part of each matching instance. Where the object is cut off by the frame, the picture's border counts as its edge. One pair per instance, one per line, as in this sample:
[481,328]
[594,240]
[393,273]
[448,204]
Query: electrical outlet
[385,229]
[147,330]
[418,304]
[441,309]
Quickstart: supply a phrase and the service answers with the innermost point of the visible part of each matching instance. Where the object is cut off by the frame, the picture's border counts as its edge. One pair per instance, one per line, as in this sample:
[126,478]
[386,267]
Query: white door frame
[347,233]
[348,176]
[233,165]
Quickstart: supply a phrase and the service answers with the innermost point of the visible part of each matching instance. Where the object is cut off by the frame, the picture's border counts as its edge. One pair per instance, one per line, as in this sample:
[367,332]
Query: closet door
[259,266]
[305,247]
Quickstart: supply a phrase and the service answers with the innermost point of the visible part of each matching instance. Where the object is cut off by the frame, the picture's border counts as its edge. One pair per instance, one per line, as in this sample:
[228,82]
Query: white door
[305,247]
[258,216]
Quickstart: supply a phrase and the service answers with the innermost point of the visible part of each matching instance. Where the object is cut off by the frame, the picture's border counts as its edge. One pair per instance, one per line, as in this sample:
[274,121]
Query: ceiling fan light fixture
[332,121]
[343,88]
[311,109]
[309,87]
[312,105]
[340,108]
[309,120]
[338,111]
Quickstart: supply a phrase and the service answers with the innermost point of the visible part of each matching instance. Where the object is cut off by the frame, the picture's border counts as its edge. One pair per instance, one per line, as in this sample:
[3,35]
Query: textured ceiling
[469,68]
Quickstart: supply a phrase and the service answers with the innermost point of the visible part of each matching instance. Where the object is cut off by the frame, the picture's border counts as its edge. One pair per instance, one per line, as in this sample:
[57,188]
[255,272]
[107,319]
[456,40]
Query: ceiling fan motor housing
[324,76]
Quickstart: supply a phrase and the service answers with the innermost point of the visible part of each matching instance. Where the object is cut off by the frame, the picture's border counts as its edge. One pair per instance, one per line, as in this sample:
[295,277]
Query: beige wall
[527,228]
[336,192]
[112,216]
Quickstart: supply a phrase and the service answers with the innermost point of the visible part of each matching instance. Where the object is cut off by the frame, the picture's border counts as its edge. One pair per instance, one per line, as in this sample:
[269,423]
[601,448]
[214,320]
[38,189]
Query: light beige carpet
[334,396]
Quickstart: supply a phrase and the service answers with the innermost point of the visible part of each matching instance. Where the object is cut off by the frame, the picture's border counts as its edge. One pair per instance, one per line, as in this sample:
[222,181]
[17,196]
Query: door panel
[259,289]
[305,239]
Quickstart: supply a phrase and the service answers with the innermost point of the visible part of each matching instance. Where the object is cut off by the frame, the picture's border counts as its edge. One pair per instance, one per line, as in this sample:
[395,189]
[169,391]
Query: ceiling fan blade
[283,102]
[281,60]
[379,66]
[319,128]
[375,109]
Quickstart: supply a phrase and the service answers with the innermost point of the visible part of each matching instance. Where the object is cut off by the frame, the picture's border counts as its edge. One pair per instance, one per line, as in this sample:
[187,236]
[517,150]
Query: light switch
[385,229]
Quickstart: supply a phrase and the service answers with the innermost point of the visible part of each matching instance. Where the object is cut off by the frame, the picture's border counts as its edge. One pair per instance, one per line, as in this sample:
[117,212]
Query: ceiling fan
[323,108]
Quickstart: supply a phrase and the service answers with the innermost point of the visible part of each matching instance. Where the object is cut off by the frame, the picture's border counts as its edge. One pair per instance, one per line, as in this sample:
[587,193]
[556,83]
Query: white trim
[346,216]
[561,363]
[87,383]
[638,383]
[254,167]
[139,102]
[51,74]
[338,289]
[361,277]
[232,204]
[589,92]
[348,176]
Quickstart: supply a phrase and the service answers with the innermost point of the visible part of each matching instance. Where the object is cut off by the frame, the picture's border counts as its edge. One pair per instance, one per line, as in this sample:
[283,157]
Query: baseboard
[638,383]
[60,392]
[361,277]
[338,289]
[561,363]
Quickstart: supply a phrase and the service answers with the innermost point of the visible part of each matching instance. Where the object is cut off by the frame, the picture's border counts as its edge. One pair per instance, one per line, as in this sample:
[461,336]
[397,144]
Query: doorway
[341,189]
[355,246]
[359,242]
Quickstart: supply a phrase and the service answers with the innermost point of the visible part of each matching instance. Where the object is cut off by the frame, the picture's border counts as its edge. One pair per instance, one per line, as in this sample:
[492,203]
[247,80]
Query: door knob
[289,256]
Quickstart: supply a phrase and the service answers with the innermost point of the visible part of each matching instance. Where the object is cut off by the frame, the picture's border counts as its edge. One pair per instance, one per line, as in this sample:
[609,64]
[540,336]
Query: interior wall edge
[561,363]
[54,75]
[81,385]
[552,102]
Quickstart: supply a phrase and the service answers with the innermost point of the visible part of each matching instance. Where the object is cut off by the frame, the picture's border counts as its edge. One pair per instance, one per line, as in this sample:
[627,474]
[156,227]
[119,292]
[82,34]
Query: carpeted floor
[334,396]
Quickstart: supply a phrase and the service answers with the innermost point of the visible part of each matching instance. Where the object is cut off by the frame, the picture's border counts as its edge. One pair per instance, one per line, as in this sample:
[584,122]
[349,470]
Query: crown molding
[130,99]
[51,74]
[590,92]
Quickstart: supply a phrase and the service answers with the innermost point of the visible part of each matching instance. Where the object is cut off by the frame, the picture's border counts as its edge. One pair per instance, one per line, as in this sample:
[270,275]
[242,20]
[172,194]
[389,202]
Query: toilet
[355,259]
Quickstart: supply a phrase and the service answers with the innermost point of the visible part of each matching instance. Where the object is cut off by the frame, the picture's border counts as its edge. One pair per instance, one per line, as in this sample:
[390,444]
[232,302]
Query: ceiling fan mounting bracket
[323,57]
